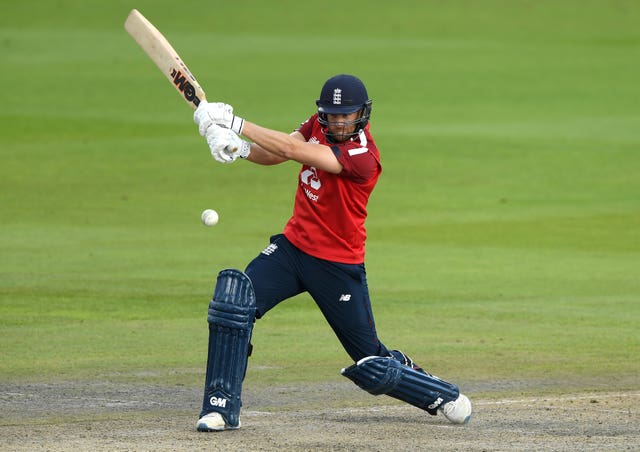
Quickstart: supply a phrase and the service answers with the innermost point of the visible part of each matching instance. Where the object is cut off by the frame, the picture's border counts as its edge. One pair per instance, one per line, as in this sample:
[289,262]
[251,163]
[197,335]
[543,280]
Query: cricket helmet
[344,94]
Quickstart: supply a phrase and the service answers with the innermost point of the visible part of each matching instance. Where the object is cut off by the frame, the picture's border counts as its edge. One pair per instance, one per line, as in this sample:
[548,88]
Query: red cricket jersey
[330,209]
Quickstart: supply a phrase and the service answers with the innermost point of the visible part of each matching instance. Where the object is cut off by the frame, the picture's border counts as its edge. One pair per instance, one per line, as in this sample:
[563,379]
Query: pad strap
[231,317]
[383,375]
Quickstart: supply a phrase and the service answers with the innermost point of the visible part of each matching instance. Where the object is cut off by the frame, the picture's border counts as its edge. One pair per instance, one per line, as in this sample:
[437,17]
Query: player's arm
[261,156]
[270,146]
[274,146]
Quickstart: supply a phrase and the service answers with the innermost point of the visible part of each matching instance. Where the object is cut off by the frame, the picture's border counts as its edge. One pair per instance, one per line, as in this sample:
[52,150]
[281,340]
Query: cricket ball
[209,217]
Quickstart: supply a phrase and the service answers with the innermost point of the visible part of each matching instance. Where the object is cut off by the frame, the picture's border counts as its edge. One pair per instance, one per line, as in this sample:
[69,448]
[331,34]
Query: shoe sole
[206,428]
[202,427]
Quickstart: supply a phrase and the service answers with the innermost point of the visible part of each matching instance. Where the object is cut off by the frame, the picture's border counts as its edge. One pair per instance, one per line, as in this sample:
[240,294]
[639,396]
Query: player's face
[341,126]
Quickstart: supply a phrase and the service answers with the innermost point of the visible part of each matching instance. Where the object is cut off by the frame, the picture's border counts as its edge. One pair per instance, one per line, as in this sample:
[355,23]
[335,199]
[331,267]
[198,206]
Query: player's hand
[225,145]
[218,113]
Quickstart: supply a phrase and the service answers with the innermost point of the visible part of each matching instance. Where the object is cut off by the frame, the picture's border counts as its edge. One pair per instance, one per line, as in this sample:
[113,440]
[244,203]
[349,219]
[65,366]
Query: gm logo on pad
[218,401]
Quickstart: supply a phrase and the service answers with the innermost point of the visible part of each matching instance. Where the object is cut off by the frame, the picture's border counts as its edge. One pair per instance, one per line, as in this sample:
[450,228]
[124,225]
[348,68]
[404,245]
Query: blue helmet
[344,94]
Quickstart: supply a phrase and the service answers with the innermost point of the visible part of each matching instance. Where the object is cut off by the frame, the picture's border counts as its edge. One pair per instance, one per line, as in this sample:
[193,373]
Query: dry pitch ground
[339,417]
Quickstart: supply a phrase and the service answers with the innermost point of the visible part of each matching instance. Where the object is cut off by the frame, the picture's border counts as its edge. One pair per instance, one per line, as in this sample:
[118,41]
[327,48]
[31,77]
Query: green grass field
[504,235]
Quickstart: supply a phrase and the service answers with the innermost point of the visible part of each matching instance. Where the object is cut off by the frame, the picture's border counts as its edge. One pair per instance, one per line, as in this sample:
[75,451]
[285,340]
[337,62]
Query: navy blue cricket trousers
[282,271]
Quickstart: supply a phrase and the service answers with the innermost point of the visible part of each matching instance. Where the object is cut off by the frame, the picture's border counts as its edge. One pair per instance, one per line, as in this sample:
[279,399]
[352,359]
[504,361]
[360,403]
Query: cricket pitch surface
[338,417]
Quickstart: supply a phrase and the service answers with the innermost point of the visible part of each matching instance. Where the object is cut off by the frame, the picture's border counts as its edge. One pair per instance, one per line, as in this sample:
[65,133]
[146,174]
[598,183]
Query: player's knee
[233,304]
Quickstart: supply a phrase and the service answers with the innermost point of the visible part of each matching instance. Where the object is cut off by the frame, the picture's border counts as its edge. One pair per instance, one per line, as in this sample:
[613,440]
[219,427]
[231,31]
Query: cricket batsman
[320,251]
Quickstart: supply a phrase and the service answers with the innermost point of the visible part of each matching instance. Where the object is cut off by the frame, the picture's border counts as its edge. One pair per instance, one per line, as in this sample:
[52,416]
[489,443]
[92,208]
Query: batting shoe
[457,411]
[213,422]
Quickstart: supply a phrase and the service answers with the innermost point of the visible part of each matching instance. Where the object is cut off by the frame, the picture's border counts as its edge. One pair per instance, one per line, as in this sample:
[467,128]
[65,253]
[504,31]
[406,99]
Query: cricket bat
[166,58]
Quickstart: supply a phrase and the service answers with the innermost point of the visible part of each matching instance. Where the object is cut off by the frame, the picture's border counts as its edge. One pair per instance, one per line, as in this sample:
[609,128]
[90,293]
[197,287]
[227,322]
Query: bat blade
[156,46]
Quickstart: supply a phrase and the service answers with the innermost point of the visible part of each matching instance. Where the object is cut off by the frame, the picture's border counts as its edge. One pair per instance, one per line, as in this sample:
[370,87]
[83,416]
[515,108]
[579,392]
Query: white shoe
[213,422]
[458,411]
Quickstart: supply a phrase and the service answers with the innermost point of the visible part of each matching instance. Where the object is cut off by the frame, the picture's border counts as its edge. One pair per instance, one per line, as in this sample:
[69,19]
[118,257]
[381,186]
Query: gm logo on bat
[183,85]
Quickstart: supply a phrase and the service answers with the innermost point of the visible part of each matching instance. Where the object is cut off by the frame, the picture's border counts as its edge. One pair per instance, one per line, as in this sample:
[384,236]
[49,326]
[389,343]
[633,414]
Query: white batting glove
[225,145]
[218,113]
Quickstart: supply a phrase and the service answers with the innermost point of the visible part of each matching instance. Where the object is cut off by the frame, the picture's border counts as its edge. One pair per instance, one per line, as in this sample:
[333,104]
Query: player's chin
[340,137]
